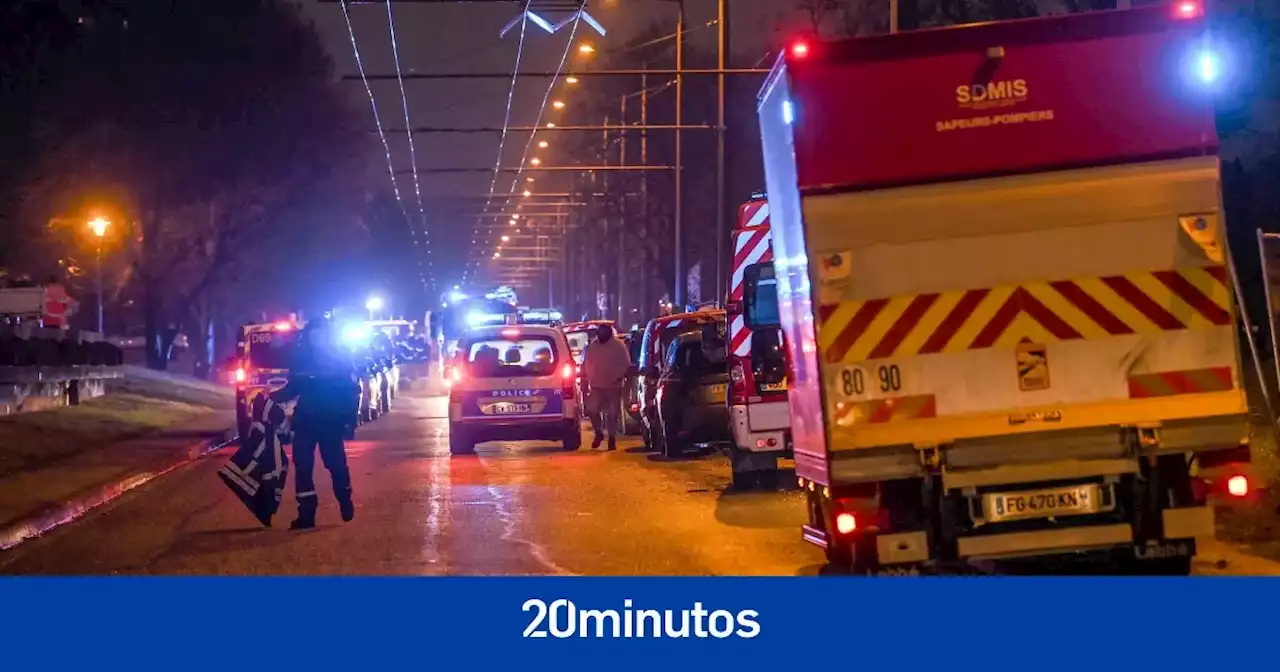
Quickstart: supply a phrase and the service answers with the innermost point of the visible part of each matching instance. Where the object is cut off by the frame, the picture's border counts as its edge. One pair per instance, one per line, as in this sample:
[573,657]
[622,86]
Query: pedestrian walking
[605,364]
[323,381]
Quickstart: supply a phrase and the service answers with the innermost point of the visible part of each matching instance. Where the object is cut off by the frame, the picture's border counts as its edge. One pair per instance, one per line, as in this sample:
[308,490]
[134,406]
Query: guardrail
[48,368]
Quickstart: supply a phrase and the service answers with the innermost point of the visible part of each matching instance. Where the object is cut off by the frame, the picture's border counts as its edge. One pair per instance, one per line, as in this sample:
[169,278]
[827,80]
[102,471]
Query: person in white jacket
[605,364]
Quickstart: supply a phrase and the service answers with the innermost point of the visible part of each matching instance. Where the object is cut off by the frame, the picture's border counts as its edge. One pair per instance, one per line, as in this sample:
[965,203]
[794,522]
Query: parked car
[690,396]
[658,336]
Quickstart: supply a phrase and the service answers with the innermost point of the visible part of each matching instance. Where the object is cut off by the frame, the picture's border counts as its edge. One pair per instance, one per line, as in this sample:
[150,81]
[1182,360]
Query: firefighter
[324,382]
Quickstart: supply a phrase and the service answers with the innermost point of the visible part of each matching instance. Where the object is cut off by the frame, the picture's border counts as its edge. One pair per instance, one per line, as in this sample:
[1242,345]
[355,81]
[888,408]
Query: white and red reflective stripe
[739,337]
[750,246]
[753,213]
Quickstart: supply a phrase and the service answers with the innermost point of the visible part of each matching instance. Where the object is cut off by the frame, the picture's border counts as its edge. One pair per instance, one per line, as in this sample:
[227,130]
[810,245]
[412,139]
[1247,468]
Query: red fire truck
[758,411]
[1003,276]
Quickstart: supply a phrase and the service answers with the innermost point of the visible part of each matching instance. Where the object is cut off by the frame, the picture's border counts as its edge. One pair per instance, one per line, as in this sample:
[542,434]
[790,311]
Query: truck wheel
[573,438]
[459,442]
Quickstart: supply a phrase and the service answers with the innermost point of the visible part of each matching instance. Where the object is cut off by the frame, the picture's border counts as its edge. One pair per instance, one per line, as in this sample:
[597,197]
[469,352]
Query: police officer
[323,380]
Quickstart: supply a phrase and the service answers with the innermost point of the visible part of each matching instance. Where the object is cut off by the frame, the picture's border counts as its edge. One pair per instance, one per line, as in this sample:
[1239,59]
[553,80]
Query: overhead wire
[502,138]
[377,122]
[564,57]
[413,152]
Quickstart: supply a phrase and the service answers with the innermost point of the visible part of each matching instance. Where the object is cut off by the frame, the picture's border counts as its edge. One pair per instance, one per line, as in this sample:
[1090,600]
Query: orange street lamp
[551,124]
[506,239]
[571,80]
[99,225]
[586,49]
[543,144]
[558,104]
[535,161]
[527,193]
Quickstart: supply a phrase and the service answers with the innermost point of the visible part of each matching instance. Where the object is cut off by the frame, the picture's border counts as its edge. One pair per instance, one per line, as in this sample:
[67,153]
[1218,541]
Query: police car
[512,383]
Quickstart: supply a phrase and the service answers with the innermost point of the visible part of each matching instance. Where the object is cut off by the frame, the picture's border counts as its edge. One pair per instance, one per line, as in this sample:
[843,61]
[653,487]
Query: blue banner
[624,623]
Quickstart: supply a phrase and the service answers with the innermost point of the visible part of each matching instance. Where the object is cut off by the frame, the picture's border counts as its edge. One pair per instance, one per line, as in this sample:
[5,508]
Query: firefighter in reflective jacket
[324,383]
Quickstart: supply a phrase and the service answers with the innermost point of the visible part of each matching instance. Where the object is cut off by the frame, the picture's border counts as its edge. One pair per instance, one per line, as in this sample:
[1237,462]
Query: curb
[56,515]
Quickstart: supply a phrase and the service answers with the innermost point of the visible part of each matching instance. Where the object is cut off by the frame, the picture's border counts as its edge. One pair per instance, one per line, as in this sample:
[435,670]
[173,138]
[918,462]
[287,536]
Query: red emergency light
[799,49]
[241,375]
[1188,9]
[283,326]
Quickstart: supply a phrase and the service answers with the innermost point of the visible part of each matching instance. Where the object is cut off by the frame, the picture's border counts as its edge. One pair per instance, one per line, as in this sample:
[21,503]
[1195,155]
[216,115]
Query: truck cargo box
[999,230]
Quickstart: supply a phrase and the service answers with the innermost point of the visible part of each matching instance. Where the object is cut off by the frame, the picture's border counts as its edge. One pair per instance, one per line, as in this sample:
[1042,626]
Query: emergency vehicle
[1003,276]
[265,351]
[758,413]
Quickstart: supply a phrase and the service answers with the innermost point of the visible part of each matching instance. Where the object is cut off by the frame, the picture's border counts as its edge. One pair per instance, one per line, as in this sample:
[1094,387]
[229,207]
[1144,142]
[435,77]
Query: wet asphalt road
[514,508]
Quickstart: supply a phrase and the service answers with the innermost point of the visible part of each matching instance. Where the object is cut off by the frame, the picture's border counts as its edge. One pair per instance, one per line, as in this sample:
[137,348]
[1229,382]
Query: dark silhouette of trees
[218,139]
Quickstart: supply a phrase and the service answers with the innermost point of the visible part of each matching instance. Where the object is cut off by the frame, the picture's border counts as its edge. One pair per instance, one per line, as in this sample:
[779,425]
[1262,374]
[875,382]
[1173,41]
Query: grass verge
[138,404]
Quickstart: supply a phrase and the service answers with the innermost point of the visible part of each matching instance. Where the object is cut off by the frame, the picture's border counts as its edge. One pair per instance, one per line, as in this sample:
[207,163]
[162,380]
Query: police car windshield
[272,349]
[522,356]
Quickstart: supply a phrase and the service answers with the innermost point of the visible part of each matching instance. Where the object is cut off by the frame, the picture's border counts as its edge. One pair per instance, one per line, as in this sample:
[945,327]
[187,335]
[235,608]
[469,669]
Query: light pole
[374,304]
[98,226]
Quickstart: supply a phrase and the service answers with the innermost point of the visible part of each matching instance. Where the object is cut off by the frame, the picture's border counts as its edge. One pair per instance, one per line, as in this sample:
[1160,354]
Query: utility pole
[677,289]
[622,224]
[721,229]
[644,179]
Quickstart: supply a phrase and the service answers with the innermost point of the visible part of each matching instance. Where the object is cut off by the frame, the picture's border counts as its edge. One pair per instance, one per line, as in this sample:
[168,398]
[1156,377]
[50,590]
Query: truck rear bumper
[759,440]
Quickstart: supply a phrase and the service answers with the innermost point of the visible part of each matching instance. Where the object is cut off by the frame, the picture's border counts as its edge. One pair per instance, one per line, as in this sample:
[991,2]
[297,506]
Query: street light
[535,161]
[543,144]
[374,304]
[527,193]
[586,49]
[558,104]
[571,80]
[99,225]
[551,124]
[506,239]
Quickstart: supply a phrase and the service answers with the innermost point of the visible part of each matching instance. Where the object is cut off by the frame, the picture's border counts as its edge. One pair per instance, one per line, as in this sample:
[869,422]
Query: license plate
[510,408]
[774,387]
[715,393]
[1069,501]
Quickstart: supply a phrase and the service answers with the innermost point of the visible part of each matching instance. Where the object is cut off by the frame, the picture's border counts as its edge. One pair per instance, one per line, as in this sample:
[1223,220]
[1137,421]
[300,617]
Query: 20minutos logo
[562,619]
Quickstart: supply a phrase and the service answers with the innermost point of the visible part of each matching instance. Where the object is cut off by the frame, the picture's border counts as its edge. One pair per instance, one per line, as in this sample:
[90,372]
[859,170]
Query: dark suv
[691,395]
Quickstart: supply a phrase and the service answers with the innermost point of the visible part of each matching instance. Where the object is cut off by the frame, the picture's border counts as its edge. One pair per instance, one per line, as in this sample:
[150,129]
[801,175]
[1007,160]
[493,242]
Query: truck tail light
[241,375]
[737,383]
[799,49]
[1238,486]
[846,523]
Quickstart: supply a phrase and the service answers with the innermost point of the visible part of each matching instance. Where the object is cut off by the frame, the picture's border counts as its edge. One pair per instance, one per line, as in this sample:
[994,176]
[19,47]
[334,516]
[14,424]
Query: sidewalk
[35,500]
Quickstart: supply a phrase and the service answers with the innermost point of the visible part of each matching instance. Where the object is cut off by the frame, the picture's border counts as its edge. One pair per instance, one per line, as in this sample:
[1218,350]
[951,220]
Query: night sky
[464,38]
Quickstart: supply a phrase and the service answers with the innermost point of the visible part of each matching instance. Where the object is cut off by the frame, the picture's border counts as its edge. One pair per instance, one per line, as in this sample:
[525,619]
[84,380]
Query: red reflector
[846,523]
[800,49]
[1238,486]
[635,407]
[759,443]
[1188,9]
